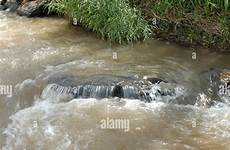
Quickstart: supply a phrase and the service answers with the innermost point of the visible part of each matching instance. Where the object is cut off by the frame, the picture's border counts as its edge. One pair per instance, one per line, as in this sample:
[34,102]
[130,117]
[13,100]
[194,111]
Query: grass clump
[114,20]
[190,5]
[190,22]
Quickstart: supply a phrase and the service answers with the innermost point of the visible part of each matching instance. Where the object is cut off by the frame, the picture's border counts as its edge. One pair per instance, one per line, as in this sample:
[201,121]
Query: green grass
[209,6]
[202,22]
[206,22]
[114,20]
[192,4]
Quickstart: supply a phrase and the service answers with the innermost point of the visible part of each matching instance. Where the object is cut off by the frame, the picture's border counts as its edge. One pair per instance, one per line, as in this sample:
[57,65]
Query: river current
[36,50]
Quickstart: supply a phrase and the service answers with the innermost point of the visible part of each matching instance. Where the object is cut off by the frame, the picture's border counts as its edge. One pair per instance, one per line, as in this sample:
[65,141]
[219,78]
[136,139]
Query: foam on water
[75,124]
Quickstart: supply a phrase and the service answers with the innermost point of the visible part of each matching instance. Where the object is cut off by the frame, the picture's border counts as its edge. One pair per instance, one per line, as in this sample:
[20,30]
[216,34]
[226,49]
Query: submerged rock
[106,86]
[147,89]
[216,86]
[1,7]
[153,79]
[33,8]
[10,5]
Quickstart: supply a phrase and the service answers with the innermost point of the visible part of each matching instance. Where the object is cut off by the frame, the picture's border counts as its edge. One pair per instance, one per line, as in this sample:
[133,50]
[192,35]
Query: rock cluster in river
[147,89]
[26,8]
[217,86]
[105,86]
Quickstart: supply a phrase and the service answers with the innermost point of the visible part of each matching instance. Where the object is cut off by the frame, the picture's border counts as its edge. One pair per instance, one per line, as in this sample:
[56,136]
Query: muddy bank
[192,26]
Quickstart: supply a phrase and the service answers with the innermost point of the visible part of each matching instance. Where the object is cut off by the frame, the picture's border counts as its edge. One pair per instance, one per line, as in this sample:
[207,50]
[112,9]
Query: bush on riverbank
[115,20]
[191,22]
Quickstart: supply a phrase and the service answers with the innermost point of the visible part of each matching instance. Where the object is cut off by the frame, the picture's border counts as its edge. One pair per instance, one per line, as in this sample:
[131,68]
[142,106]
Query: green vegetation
[114,20]
[189,5]
[197,22]
[189,22]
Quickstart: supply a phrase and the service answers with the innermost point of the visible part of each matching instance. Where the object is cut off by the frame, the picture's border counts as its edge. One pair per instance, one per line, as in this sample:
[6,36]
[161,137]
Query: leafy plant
[114,20]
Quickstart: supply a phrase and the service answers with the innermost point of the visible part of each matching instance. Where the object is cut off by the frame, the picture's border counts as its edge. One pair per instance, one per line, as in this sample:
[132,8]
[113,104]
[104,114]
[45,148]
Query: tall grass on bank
[208,5]
[114,20]
[196,22]
[214,13]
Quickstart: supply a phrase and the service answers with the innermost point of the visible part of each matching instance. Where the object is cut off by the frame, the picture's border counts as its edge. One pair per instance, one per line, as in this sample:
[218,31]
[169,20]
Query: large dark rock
[33,8]
[2,2]
[10,5]
[105,86]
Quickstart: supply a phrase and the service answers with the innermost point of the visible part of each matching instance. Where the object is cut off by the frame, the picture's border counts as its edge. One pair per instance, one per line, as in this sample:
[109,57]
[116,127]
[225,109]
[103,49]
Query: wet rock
[218,77]
[118,91]
[166,89]
[225,76]
[58,93]
[1,7]
[3,2]
[153,80]
[10,6]
[106,86]
[33,8]
[216,86]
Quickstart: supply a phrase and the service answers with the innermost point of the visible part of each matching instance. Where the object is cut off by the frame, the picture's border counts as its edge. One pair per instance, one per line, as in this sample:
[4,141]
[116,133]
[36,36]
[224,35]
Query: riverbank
[197,24]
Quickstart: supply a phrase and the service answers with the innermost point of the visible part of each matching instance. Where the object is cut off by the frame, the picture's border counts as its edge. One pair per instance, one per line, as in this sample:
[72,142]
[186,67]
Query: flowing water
[34,51]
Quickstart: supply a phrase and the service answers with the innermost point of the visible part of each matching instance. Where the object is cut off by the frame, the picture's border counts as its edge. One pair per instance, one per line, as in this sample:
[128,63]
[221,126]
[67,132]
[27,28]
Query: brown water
[34,50]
